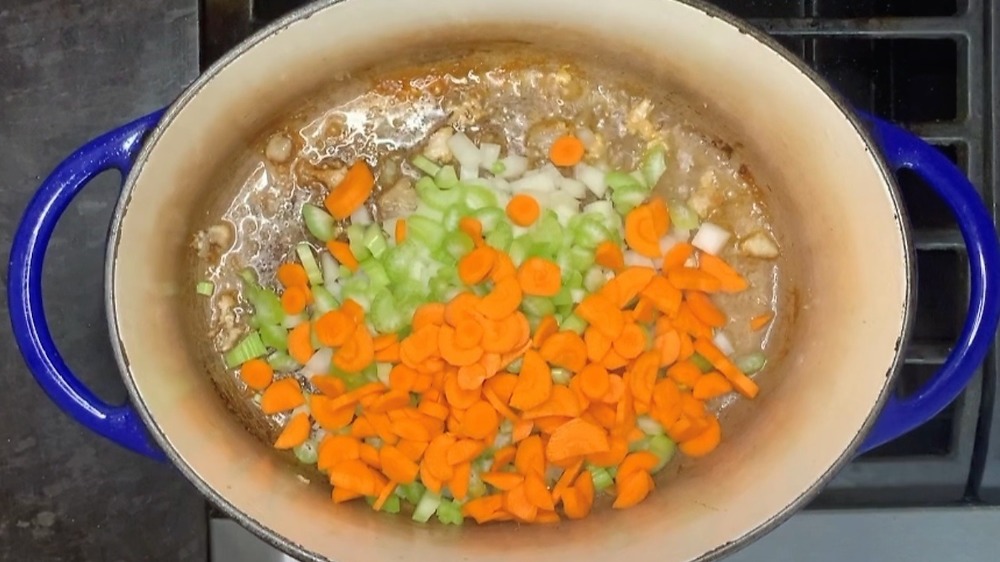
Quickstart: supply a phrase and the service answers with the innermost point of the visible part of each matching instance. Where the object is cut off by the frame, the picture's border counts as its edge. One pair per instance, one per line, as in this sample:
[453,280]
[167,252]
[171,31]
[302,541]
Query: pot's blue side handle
[903,150]
[114,150]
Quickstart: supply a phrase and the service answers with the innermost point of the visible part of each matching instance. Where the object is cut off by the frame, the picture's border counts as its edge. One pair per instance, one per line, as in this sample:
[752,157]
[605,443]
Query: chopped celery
[501,236]
[306,452]
[411,492]
[305,253]
[561,376]
[425,165]
[401,261]
[282,362]
[537,307]
[573,323]
[248,348]
[580,258]
[654,163]
[628,197]
[452,216]
[498,168]
[700,362]
[648,425]
[490,218]
[588,230]
[249,276]
[429,232]
[319,223]
[478,197]
[356,239]
[435,197]
[446,178]
[385,314]
[574,280]
[426,507]
[622,180]
[274,336]
[515,366]
[323,299]
[477,488]
[205,288]
[391,505]
[682,216]
[375,241]
[663,447]
[457,244]
[520,250]
[449,512]
[752,363]
[266,306]
[601,476]
[331,269]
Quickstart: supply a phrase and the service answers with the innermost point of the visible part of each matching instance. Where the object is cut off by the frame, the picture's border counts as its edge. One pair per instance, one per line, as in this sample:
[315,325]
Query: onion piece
[635,259]
[536,182]
[319,363]
[489,154]
[513,166]
[465,151]
[591,177]
[710,238]
[721,341]
[572,187]
[361,216]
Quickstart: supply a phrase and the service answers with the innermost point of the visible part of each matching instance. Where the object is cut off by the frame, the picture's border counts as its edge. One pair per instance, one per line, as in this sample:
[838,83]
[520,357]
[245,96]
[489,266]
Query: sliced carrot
[664,296]
[640,232]
[502,385]
[392,400]
[613,360]
[522,430]
[561,402]
[742,383]
[566,479]
[502,480]
[351,192]
[397,466]
[354,310]
[472,227]
[461,308]
[433,409]
[475,266]
[669,345]
[758,322]
[480,420]
[597,343]
[453,353]
[471,377]
[341,495]
[295,432]
[292,275]
[465,450]
[328,415]
[281,396]
[704,309]
[616,453]
[534,384]
[546,327]
[400,231]
[576,438]
[601,314]
[631,342]
[687,322]
[410,429]
[500,336]
[503,300]
[644,311]
[730,281]
[705,442]
[419,345]
[516,502]
[468,333]
[633,490]
[565,349]
[257,373]
[427,314]
[639,461]
[523,210]
[383,496]
[661,215]
[503,268]
[537,493]
[336,448]
[341,251]
[642,378]
[293,300]
[566,150]
[299,345]
[436,457]
[482,509]
[357,352]
[412,450]
[329,385]
[334,328]
[684,373]
[530,456]
[539,277]
[609,255]
[687,346]
[689,278]
[459,482]
[627,285]
[458,397]
[594,381]
[677,256]
[503,456]
[711,385]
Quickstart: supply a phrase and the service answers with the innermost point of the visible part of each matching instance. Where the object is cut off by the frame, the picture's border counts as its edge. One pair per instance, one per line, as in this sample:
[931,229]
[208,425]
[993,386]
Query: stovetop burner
[922,64]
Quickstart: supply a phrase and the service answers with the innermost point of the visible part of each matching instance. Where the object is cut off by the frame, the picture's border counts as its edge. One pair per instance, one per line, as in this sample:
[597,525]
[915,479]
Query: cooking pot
[828,174]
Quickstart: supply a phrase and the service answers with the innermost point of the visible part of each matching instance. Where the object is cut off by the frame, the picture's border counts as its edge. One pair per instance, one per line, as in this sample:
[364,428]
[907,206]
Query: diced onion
[638,260]
[536,182]
[710,238]
[514,166]
[666,243]
[490,153]
[361,216]
[319,363]
[465,151]
[592,178]
[468,174]
[721,341]
[572,187]
[586,136]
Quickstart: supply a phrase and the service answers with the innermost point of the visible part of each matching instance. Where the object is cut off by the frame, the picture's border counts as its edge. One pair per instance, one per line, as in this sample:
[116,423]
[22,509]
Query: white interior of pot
[852,282]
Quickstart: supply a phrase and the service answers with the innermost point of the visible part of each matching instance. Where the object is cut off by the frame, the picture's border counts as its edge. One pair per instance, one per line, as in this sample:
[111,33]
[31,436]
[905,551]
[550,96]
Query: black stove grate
[924,64]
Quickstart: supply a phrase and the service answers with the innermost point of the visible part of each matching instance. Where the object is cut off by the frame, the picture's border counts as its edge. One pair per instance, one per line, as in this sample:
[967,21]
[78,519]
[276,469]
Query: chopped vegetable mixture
[522,343]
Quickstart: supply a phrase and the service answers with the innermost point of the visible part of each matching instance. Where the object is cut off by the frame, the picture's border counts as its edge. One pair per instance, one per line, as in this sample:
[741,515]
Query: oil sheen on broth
[513,96]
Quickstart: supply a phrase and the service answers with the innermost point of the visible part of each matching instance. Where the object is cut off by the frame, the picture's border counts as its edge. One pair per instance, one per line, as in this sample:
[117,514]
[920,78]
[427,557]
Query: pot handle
[113,150]
[904,150]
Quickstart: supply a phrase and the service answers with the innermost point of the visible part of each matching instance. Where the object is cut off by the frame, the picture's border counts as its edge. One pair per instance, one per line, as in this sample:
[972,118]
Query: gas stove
[924,64]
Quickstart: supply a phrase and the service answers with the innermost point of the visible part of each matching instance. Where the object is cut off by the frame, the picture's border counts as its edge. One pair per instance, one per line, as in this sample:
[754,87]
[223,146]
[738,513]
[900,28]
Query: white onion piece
[635,259]
[514,166]
[361,216]
[591,177]
[489,153]
[331,269]
[565,207]
[552,172]
[468,174]
[721,341]
[574,188]
[648,425]
[503,198]
[586,136]
[292,320]
[389,227]
[537,182]
[710,238]
[577,295]
[667,242]
[319,363]
[602,207]
[500,184]
[465,151]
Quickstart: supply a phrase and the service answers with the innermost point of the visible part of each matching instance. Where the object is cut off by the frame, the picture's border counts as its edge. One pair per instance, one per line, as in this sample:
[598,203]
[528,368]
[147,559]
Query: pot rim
[284,544]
